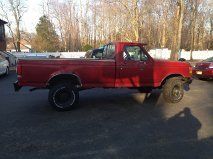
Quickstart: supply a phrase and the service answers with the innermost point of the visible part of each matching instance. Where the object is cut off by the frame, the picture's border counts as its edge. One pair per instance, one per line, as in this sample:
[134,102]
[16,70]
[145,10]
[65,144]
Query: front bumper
[16,86]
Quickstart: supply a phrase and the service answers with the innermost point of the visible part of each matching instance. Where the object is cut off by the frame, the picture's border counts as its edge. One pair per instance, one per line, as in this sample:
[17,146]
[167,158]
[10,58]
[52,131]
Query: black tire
[173,90]
[63,97]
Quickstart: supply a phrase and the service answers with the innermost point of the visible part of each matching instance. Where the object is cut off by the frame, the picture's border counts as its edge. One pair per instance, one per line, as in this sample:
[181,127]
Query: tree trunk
[194,17]
[163,43]
[177,37]
[18,37]
[211,35]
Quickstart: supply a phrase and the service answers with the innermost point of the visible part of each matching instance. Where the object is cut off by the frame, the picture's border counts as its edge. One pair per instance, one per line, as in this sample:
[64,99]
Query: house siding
[2,36]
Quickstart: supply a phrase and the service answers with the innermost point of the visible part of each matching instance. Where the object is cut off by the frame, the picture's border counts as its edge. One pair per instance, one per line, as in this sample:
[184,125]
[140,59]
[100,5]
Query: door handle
[142,69]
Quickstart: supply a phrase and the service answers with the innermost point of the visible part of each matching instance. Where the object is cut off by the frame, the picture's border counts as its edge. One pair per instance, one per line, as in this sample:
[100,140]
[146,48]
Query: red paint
[102,73]
[206,68]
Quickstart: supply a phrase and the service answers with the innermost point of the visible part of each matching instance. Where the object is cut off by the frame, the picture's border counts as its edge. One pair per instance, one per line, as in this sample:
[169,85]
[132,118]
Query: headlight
[211,65]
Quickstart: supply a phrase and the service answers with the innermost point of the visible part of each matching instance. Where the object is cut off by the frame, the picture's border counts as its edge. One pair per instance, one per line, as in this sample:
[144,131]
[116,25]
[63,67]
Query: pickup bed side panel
[98,73]
[93,73]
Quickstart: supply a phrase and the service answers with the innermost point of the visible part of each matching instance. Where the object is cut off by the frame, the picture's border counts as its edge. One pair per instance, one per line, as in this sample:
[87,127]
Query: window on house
[1,31]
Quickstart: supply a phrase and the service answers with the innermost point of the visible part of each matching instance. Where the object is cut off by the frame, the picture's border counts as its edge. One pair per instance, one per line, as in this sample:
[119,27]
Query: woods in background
[46,38]
[173,24]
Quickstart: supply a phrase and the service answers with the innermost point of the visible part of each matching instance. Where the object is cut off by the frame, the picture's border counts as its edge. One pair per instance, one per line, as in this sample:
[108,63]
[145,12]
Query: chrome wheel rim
[63,97]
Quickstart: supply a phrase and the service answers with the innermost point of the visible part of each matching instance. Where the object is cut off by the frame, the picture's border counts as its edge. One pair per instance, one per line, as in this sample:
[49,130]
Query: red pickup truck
[120,65]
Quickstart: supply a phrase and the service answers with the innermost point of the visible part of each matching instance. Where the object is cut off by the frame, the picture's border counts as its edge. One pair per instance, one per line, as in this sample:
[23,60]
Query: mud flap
[186,86]
[16,86]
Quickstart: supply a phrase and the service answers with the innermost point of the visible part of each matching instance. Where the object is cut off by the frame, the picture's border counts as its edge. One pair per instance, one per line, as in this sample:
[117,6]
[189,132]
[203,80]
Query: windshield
[209,59]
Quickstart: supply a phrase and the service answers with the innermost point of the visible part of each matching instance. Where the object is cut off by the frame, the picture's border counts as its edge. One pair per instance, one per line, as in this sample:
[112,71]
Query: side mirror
[144,58]
[125,56]
[182,59]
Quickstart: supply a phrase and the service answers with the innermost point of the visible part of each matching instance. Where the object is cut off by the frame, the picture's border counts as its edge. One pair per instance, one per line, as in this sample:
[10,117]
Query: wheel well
[73,79]
[168,77]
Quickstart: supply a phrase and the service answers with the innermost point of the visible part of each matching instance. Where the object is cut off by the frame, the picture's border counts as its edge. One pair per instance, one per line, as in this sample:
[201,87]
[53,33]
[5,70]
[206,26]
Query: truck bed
[87,69]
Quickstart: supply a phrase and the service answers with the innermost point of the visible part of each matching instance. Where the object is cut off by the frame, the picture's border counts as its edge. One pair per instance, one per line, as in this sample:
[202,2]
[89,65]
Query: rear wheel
[173,90]
[63,97]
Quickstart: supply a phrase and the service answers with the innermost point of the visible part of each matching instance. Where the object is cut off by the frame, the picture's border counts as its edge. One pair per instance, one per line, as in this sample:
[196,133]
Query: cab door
[135,70]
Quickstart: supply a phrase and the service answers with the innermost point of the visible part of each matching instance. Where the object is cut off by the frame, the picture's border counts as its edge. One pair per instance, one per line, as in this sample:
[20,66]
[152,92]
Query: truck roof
[131,43]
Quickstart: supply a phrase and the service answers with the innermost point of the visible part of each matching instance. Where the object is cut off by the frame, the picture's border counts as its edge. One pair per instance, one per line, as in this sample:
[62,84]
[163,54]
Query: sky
[31,17]
[34,12]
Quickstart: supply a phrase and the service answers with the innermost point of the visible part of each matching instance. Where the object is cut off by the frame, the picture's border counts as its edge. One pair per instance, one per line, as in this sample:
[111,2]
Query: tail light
[211,65]
[190,70]
[18,70]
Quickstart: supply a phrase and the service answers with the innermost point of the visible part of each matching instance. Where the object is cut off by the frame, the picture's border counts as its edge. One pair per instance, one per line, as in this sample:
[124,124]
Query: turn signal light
[190,71]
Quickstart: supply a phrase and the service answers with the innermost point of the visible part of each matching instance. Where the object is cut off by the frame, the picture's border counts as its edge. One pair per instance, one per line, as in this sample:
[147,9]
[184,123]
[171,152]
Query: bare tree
[178,29]
[14,10]
[194,10]
[162,23]
[9,24]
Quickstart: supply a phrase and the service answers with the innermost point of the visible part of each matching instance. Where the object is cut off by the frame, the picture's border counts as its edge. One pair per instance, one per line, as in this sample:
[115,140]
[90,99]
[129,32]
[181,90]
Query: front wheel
[173,90]
[63,97]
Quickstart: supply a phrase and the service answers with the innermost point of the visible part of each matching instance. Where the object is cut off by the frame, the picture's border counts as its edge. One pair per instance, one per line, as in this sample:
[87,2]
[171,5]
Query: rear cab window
[109,52]
[209,59]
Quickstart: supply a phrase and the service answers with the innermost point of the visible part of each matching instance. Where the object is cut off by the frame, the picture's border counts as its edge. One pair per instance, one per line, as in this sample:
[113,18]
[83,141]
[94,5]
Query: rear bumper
[16,86]
[208,74]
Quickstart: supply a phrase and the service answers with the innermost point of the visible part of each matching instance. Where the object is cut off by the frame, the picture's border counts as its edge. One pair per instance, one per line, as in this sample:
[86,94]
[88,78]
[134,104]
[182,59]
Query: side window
[109,52]
[134,53]
[105,52]
[98,55]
